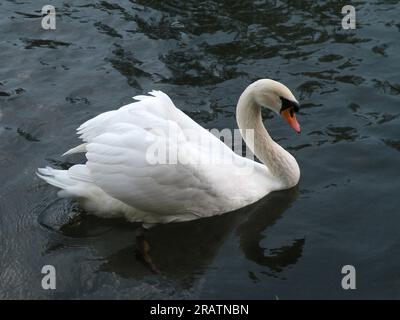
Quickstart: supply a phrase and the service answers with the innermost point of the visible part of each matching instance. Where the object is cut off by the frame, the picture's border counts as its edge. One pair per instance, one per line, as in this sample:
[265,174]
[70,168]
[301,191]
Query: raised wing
[122,148]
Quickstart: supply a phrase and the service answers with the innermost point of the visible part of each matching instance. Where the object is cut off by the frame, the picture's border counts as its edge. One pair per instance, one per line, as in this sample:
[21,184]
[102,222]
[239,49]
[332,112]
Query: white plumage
[121,179]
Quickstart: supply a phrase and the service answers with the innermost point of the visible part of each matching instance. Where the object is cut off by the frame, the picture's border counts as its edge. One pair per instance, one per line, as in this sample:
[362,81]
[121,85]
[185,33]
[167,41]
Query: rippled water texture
[291,244]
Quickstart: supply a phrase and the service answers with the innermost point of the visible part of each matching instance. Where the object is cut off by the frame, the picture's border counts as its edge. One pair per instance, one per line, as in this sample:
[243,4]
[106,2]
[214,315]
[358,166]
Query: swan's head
[278,98]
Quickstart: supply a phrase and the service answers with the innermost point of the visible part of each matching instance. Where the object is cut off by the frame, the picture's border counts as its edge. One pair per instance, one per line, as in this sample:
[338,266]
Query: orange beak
[290,117]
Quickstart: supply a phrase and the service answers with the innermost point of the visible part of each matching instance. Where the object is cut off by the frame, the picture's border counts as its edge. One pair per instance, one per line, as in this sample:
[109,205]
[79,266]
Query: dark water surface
[291,244]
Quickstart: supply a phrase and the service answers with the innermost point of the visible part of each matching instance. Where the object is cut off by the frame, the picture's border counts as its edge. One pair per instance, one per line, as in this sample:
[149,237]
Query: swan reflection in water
[182,249]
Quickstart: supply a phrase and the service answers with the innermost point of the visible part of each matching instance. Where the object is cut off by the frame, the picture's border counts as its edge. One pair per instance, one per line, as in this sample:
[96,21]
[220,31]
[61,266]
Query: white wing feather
[117,145]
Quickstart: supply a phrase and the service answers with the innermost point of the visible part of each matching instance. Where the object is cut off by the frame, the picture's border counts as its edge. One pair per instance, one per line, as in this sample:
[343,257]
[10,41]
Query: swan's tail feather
[71,182]
[57,178]
[78,149]
[76,182]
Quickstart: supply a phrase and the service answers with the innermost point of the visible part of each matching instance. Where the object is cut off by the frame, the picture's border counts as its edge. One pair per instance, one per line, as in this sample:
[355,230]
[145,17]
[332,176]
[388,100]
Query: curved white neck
[281,163]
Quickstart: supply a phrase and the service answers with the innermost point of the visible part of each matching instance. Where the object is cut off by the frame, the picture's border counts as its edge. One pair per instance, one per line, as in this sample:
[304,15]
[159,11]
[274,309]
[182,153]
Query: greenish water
[291,244]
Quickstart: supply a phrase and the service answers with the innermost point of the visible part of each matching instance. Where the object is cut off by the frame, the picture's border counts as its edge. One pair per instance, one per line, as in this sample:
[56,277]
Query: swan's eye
[293,106]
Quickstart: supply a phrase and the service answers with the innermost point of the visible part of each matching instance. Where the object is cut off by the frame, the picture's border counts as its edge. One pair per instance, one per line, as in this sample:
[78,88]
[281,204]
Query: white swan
[119,180]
